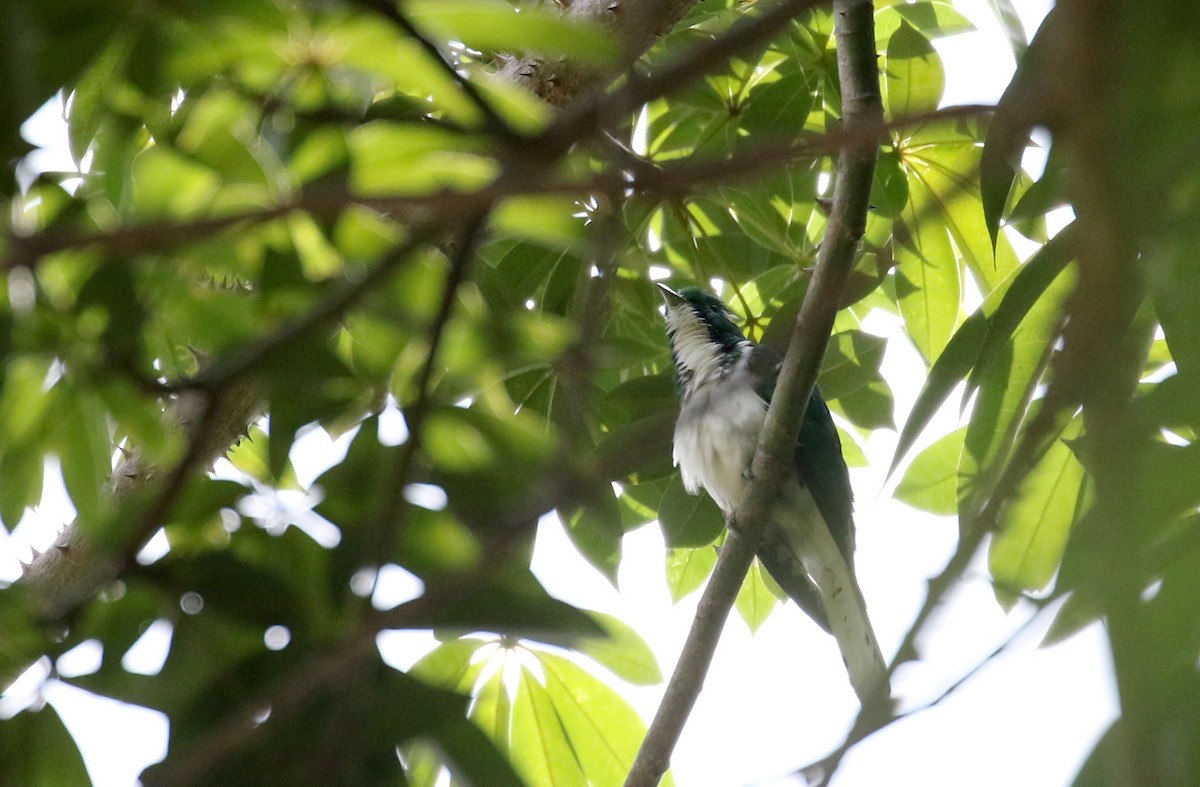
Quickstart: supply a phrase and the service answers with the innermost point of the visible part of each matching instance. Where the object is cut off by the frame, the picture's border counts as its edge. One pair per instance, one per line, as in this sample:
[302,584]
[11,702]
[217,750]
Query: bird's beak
[671,297]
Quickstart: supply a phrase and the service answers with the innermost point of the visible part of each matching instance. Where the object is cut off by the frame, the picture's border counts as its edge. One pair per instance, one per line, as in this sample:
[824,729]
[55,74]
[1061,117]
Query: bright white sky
[776,700]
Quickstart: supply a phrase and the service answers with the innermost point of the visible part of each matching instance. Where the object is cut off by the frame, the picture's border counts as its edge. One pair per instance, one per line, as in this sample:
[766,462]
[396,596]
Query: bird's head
[704,337]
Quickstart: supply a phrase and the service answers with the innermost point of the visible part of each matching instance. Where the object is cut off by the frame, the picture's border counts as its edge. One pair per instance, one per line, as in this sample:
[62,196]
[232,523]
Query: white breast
[716,435]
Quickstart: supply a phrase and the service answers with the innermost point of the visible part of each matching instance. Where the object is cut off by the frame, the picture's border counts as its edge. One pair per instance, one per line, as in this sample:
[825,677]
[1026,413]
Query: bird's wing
[819,457]
[823,470]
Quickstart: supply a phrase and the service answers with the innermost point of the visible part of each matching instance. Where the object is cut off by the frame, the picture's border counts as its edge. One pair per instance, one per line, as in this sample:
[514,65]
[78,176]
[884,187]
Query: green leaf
[927,283]
[914,78]
[1174,280]
[942,160]
[622,651]
[641,448]
[1010,20]
[932,19]
[931,481]
[780,107]
[493,710]
[687,569]
[394,159]
[1024,295]
[1017,297]
[449,664]
[474,759]
[755,601]
[202,498]
[22,470]
[1035,525]
[604,731]
[84,450]
[851,362]
[596,531]
[688,520]
[1006,382]
[546,219]
[35,748]
[540,749]
[496,26]
[868,407]
[507,602]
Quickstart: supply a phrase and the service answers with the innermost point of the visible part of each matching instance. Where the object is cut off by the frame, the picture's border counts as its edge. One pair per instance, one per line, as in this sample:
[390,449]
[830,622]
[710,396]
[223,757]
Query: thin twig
[667,180]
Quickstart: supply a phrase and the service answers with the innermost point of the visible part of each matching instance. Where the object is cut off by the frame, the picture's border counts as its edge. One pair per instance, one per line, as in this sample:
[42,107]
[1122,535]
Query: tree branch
[76,567]
[858,76]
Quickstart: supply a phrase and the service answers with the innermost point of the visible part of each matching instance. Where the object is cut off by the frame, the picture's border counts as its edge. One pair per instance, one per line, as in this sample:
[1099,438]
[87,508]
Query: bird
[725,383]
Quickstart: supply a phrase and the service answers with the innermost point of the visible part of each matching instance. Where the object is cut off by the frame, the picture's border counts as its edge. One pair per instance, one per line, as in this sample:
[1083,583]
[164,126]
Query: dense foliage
[329,212]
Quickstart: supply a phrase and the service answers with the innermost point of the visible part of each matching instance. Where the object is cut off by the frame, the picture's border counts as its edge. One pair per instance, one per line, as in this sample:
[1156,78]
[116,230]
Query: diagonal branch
[859,80]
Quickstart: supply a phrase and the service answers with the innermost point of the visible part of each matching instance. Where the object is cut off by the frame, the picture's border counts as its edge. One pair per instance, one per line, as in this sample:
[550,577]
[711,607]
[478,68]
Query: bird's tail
[805,561]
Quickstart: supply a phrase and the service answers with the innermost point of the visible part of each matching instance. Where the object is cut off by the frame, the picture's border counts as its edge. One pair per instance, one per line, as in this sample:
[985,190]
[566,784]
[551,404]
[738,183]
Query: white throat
[699,358]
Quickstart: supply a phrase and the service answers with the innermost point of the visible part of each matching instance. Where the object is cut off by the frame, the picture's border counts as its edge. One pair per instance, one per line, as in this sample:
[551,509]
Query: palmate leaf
[541,750]
[604,731]
[942,161]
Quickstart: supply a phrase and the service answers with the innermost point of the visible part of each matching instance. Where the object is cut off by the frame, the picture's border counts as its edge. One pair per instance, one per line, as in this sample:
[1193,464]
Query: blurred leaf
[392,159]
[546,219]
[496,26]
[1034,527]
[510,602]
[755,601]
[622,651]
[595,530]
[1174,282]
[688,520]
[1010,20]
[687,570]
[1024,289]
[35,748]
[84,450]
[931,482]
